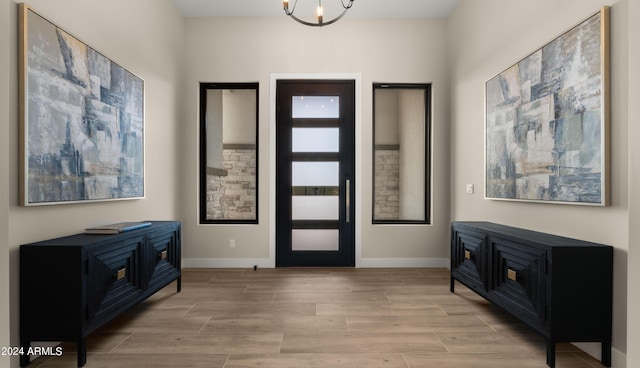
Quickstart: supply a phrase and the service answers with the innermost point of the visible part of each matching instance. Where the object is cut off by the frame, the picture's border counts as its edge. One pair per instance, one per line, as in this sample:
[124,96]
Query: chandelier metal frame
[320,13]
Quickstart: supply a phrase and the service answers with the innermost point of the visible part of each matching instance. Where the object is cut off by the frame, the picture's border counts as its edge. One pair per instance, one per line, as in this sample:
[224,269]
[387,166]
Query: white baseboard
[360,263]
[226,262]
[618,358]
[403,263]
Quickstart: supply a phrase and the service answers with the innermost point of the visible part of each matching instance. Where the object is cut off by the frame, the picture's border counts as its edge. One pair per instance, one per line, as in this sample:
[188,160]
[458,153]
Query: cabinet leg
[179,287]
[25,359]
[606,353]
[82,352]
[551,353]
[453,284]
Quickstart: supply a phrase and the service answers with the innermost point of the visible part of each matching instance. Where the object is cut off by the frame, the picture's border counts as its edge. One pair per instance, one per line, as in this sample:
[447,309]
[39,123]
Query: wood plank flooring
[317,318]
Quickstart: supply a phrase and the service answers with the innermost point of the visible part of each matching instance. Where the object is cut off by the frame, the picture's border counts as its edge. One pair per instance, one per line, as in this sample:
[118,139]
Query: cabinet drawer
[517,278]
[163,259]
[468,258]
[113,271]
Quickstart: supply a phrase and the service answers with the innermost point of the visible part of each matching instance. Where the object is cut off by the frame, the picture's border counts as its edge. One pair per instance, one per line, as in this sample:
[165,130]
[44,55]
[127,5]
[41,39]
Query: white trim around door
[273,78]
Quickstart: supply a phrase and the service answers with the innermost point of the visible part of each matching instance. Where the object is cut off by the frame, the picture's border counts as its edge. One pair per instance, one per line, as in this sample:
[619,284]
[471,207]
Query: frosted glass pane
[315,173]
[316,140]
[315,107]
[309,240]
[314,208]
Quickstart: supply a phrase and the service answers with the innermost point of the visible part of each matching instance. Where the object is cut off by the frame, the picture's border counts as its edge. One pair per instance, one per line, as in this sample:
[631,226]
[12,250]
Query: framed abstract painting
[547,121]
[81,119]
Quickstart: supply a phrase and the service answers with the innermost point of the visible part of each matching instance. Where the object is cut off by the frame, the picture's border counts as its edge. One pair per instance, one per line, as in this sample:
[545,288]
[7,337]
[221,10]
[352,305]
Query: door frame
[273,78]
[345,221]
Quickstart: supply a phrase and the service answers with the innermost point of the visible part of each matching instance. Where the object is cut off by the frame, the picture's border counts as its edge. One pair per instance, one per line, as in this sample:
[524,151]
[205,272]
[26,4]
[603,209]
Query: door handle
[348,200]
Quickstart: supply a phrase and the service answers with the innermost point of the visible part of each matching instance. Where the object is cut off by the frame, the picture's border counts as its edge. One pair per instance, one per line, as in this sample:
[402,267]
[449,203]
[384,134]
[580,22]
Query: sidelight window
[401,147]
[228,153]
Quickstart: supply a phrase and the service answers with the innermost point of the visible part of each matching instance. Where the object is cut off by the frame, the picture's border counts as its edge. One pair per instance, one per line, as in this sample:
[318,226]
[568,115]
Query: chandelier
[319,13]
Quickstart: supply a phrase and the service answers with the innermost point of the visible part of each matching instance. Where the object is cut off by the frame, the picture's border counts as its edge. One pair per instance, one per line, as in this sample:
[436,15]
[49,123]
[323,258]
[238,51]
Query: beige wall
[5,321]
[143,36]
[250,50]
[633,323]
[488,36]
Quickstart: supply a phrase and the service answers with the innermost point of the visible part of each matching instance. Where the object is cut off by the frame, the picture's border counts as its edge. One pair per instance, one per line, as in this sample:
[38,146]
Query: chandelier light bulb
[320,12]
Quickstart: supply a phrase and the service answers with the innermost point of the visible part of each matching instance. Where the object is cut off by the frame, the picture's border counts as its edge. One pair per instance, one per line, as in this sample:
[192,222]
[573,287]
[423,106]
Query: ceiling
[360,9]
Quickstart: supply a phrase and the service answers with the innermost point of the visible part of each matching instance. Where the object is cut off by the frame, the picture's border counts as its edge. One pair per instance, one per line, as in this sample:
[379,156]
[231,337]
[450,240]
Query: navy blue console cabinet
[70,286]
[560,287]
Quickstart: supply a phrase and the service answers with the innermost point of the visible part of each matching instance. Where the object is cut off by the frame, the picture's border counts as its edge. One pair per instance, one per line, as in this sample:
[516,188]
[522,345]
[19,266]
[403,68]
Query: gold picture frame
[548,121]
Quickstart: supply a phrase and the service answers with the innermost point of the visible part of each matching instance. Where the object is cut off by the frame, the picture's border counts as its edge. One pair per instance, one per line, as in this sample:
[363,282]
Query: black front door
[315,173]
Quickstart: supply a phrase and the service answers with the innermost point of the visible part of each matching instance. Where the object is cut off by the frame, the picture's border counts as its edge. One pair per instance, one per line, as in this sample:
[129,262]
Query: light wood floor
[318,318]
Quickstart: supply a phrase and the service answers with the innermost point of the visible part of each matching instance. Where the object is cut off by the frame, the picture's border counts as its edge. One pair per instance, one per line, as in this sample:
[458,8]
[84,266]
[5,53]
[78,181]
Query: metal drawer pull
[163,255]
[467,254]
[512,274]
[121,274]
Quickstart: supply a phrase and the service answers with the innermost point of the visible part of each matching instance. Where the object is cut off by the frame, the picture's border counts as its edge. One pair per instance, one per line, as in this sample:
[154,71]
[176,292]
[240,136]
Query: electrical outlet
[469,188]
[232,243]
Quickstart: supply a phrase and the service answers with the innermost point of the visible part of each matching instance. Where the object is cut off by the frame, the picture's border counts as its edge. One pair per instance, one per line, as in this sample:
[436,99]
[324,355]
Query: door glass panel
[315,240]
[315,207]
[315,140]
[315,174]
[315,107]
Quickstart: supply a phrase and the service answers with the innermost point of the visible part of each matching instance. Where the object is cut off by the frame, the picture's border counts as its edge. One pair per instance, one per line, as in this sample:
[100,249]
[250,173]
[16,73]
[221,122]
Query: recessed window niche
[228,153]
[401,153]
